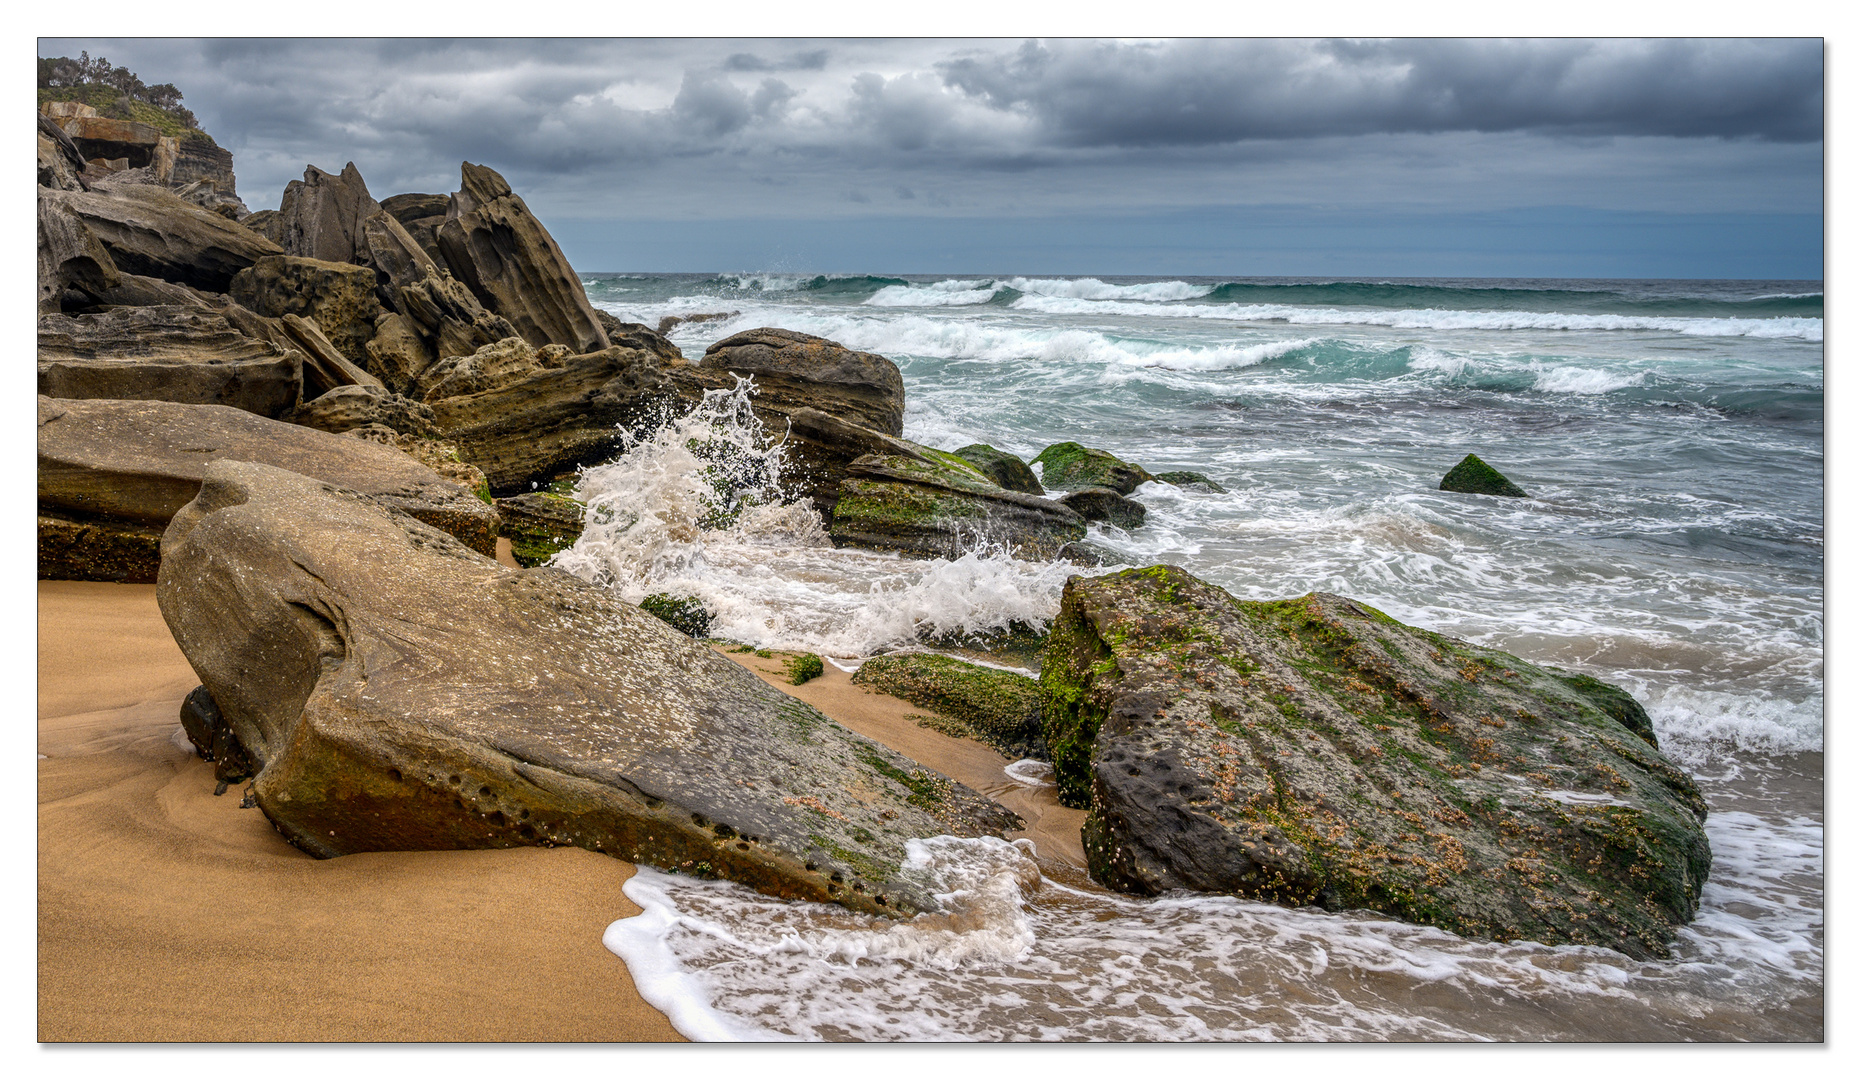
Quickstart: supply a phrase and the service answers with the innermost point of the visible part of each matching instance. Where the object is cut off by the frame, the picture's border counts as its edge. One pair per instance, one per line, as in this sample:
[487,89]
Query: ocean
[1670,434]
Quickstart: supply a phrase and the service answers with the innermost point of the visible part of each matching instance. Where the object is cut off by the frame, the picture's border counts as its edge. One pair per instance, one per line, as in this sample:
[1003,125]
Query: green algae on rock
[1069,466]
[1003,468]
[802,667]
[539,524]
[686,614]
[1475,477]
[931,503]
[398,692]
[1190,481]
[998,708]
[1316,751]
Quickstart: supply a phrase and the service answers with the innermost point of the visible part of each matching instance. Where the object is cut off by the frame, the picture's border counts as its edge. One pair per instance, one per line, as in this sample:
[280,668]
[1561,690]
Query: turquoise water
[1670,434]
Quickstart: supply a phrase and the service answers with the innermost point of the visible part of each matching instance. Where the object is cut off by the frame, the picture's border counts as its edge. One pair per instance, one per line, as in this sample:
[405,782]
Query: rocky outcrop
[151,231]
[113,473]
[421,215]
[1316,751]
[322,215]
[398,352]
[169,353]
[510,262]
[70,256]
[61,164]
[1475,477]
[549,421]
[998,708]
[338,296]
[539,524]
[1069,466]
[497,364]
[936,505]
[198,160]
[796,371]
[456,703]
[349,407]
[99,137]
[439,308]
[1104,504]
[666,324]
[135,290]
[1005,469]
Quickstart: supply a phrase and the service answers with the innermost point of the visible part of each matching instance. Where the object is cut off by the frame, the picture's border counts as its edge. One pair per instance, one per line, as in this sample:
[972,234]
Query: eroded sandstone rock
[322,215]
[398,692]
[172,353]
[113,473]
[340,297]
[1316,751]
[151,231]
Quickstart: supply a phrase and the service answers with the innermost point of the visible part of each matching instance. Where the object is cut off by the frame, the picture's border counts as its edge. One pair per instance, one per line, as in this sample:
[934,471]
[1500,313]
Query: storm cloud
[698,129]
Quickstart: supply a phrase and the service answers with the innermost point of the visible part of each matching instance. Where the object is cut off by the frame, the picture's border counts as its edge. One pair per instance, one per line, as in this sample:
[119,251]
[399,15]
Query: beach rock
[1316,751]
[339,297]
[421,216]
[666,324]
[349,407]
[214,740]
[135,290]
[1069,466]
[198,159]
[686,614]
[202,194]
[113,472]
[436,454]
[555,419]
[456,703]
[1190,481]
[1104,504]
[539,524]
[998,708]
[448,317]
[168,353]
[325,367]
[70,256]
[151,231]
[1475,477]
[267,223]
[936,505]
[323,214]
[497,364]
[510,262]
[398,353]
[794,371]
[1005,469]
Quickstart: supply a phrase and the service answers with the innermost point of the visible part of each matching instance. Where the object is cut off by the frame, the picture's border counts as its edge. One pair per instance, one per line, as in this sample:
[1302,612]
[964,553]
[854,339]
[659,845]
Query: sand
[168,914]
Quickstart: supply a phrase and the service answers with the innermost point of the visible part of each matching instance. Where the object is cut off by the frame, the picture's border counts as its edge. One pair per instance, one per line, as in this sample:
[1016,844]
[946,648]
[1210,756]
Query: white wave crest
[1577,380]
[938,294]
[1094,289]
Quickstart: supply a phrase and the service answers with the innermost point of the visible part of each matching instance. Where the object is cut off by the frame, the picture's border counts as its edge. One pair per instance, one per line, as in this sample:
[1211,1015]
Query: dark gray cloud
[682,128]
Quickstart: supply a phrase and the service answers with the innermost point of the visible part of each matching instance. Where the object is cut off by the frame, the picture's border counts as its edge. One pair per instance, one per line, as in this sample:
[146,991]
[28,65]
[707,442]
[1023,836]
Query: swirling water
[1670,435]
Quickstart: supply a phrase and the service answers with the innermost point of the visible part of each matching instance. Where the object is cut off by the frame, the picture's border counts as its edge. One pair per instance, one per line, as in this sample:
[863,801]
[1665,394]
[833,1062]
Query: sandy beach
[168,914]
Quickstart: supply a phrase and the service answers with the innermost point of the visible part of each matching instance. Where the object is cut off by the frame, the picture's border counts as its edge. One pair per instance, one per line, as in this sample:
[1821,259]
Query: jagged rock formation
[1316,751]
[113,473]
[340,297]
[455,703]
[151,231]
[322,215]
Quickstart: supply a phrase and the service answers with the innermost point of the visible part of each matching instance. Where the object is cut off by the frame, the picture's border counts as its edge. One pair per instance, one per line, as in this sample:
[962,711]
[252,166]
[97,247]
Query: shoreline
[165,913]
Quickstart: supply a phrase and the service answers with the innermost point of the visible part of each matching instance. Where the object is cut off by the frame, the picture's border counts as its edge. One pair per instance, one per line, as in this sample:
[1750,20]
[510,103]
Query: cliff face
[204,161]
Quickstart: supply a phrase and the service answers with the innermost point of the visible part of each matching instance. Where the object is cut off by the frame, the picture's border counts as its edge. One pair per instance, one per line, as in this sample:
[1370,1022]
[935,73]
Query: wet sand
[168,914]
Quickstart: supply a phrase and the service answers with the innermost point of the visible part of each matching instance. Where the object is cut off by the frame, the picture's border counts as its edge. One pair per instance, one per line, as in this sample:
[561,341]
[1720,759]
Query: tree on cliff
[115,92]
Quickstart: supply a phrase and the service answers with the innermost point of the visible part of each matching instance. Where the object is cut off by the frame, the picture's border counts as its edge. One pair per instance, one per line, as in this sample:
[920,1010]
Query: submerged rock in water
[1104,504]
[1190,481]
[1005,469]
[1475,477]
[398,692]
[999,708]
[1316,751]
[1069,466]
[934,504]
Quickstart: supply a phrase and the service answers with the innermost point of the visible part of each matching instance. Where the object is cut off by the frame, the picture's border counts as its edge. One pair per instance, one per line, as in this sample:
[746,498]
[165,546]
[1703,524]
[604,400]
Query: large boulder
[1316,751]
[796,371]
[1104,504]
[1069,466]
[510,262]
[113,473]
[936,505]
[539,424]
[340,297]
[457,703]
[322,215]
[168,353]
[151,231]
[349,407]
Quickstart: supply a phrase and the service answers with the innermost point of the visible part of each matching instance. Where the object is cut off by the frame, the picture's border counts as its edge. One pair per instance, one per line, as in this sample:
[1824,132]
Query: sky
[1330,157]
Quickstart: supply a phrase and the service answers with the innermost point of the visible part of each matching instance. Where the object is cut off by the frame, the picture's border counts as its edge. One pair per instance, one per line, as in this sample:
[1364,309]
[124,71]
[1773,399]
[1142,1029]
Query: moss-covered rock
[1475,477]
[1190,481]
[1317,751]
[1003,468]
[686,614]
[539,524]
[1069,466]
[999,708]
[936,504]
